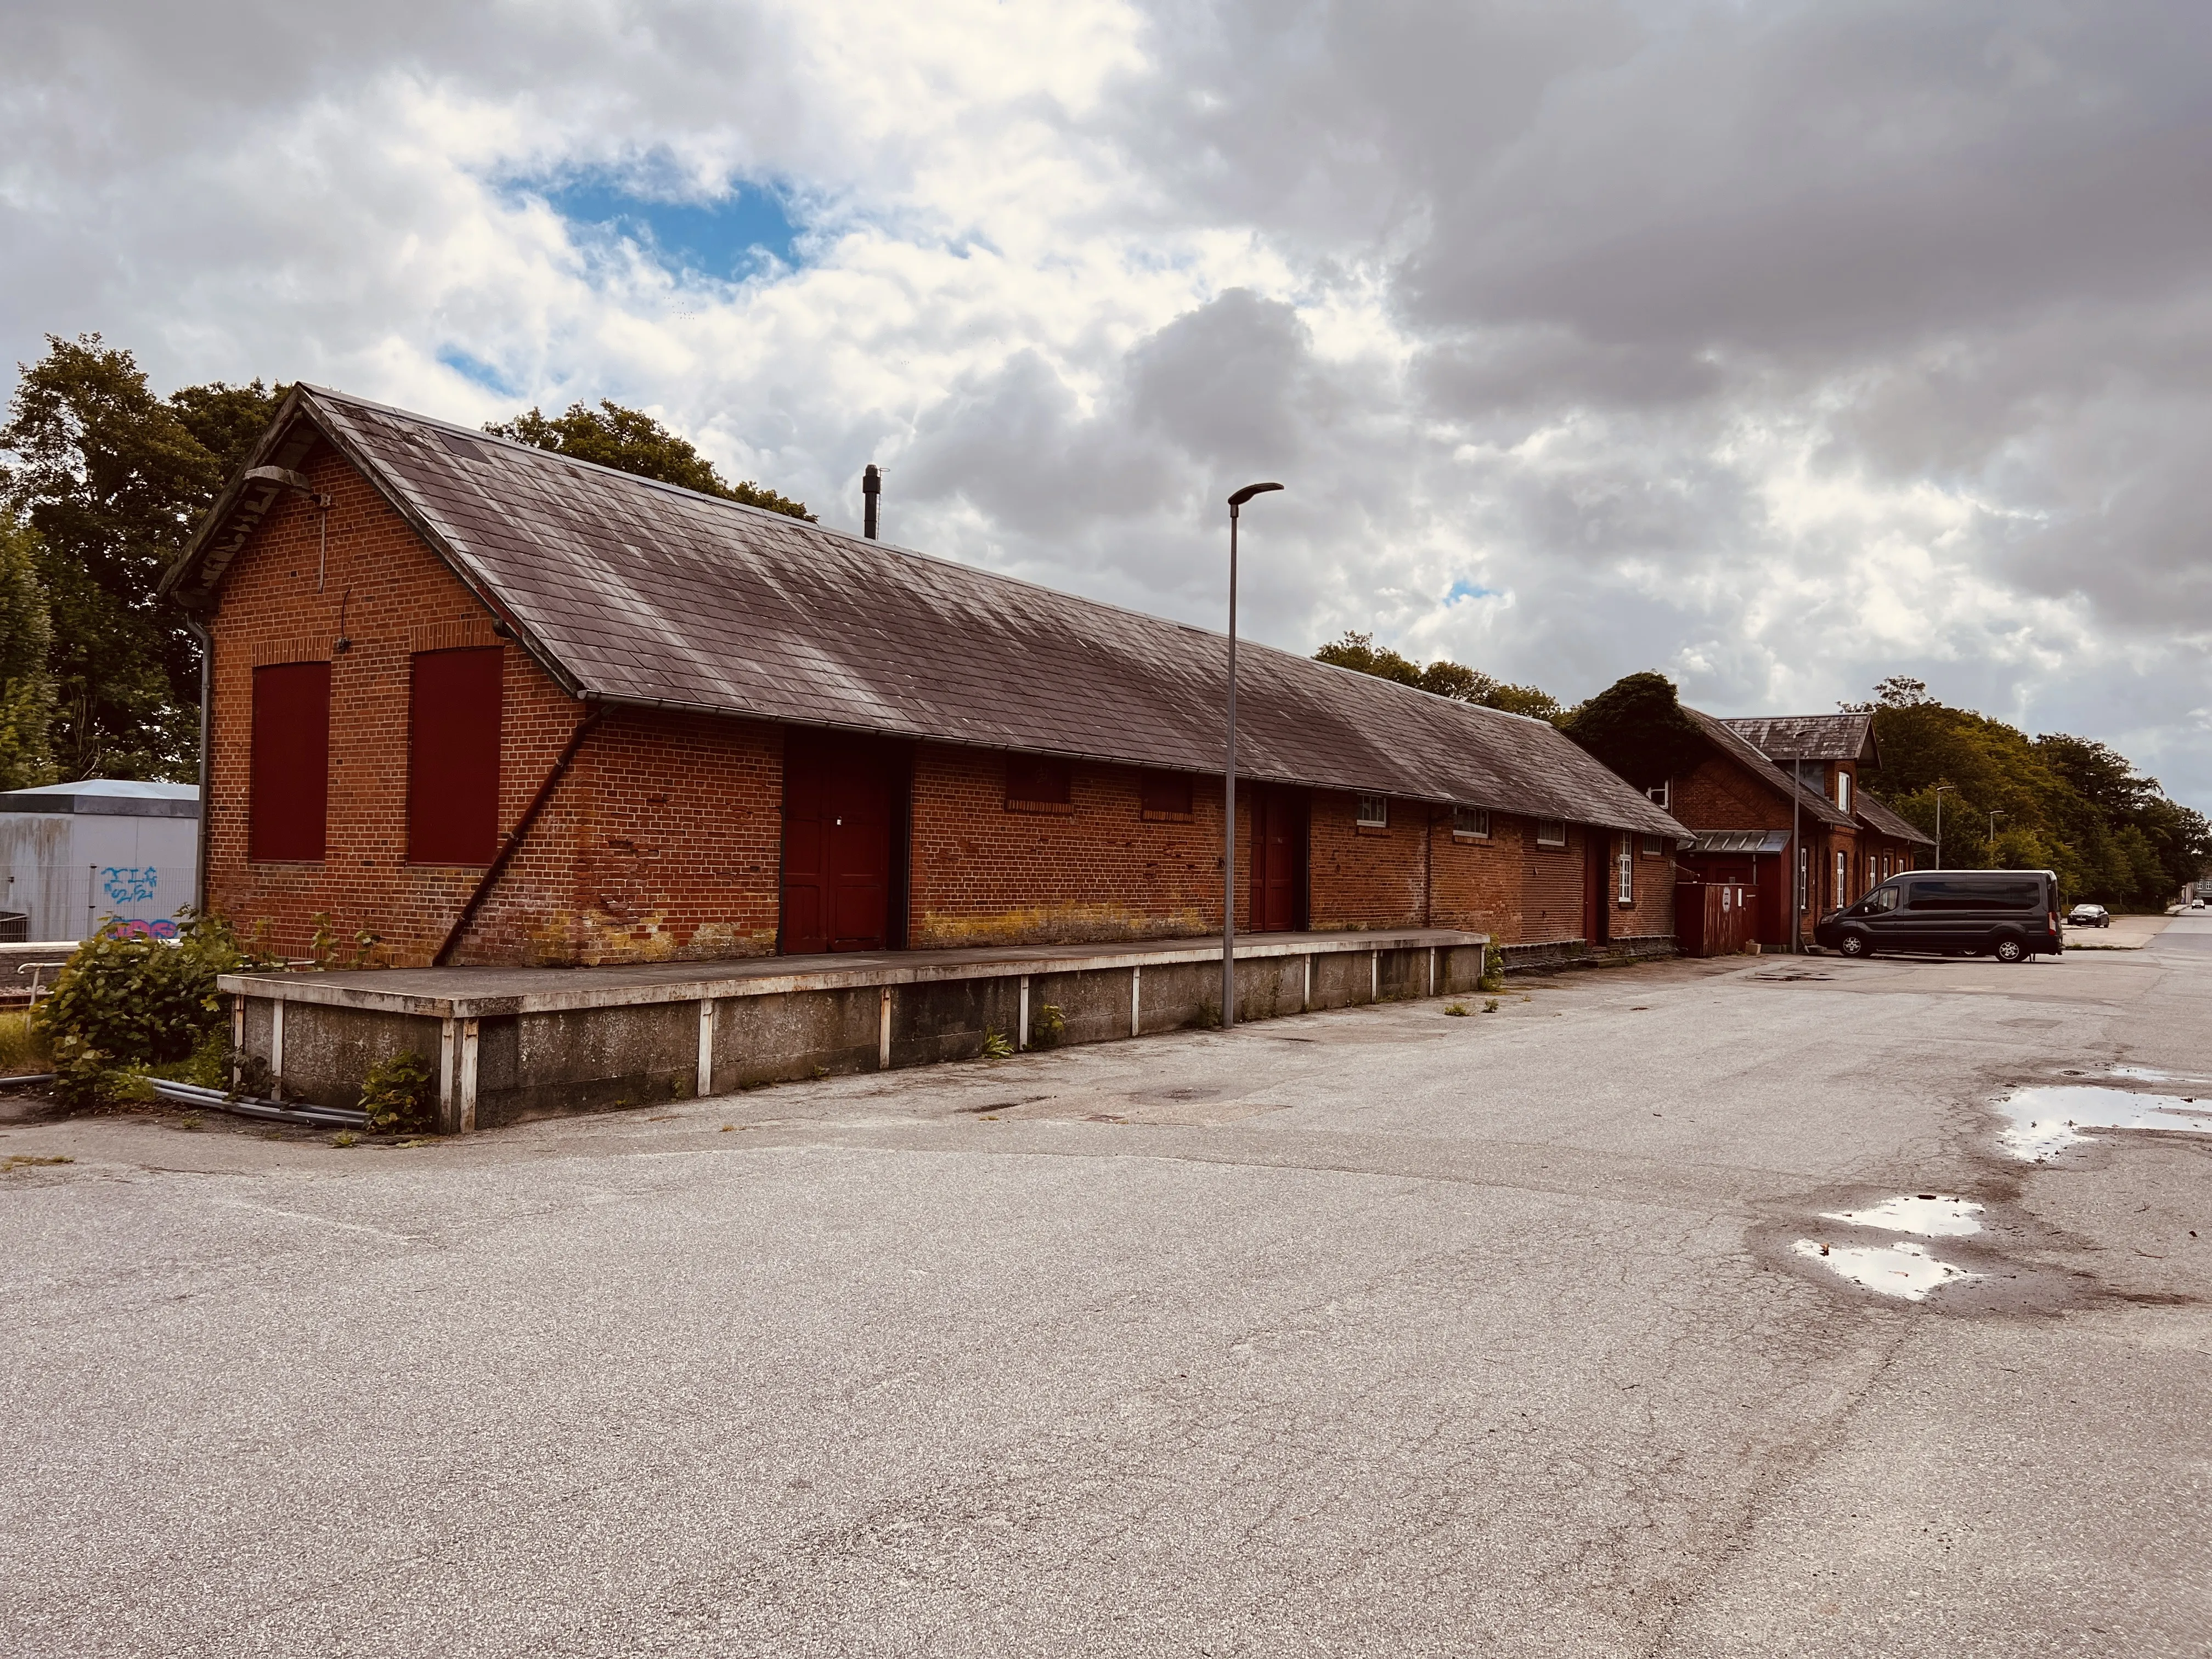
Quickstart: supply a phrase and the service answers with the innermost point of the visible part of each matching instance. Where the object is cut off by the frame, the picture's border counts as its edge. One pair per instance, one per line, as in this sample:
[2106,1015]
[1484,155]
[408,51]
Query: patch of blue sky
[471,367]
[728,238]
[1464,589]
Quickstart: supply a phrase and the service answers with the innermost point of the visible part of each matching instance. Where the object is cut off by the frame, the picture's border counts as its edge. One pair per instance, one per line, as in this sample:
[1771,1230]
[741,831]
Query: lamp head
[1250,491]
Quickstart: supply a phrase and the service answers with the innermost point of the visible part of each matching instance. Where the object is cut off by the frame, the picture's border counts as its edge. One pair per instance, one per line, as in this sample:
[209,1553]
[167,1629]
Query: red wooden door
[838,822]
[1595,894]
[1278,860]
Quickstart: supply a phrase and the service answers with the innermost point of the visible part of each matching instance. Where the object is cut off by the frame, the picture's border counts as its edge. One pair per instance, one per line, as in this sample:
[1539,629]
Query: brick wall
[663,838]
[394,597]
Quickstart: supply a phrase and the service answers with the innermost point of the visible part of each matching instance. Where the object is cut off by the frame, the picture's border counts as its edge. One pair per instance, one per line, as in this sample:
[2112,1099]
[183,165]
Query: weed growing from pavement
[189,1121]
[1491,1005]
[395,1094]
[1458,1010]
[1048,1027]
[29,1161]
[343,1139]
[996,1045]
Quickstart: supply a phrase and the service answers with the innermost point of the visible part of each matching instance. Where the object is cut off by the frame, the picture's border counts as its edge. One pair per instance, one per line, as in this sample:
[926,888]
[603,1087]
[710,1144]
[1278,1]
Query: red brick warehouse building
[502,707]
[1775,790]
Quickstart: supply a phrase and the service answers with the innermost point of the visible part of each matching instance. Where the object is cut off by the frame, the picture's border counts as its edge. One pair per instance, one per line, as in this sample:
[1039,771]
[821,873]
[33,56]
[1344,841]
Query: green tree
[114,480]
[630,440]
[1637,727]
[1360,653]
[26,638]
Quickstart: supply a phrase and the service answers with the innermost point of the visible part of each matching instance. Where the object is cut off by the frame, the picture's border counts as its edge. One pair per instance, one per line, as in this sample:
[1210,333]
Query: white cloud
[1780,348]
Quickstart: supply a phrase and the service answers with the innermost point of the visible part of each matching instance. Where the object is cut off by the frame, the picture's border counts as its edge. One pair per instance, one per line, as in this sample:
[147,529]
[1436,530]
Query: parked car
[2089,915]
[2010,914]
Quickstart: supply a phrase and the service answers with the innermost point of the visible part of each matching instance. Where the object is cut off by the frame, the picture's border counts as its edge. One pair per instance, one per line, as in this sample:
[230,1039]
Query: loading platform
[513,1044]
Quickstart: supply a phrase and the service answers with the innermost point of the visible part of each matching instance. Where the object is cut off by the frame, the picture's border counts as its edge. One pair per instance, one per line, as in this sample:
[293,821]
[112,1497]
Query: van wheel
[1855,944]
[2009,950]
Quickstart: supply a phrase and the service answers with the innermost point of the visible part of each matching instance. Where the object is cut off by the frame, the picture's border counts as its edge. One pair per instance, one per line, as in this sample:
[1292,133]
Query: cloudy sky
[1779,347]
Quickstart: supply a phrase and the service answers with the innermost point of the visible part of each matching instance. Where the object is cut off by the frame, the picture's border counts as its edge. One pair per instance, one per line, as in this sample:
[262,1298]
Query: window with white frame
[1843,878]
[1843,789]
[1551,832]
[1654,848]
[1625,863]
[1373,812]
[1660,792]
[1471,822]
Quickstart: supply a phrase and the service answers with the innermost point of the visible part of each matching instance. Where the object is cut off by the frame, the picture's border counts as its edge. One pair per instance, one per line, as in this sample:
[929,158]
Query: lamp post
[1940,788]
[1994,816]
[1228,779]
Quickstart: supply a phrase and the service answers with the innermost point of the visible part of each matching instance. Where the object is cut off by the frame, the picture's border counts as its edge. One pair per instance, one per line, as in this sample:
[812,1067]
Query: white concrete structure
[78,855]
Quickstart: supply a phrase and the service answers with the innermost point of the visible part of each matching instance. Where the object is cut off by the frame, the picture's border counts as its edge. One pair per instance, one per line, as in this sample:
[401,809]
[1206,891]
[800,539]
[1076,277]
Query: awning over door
[1742,840]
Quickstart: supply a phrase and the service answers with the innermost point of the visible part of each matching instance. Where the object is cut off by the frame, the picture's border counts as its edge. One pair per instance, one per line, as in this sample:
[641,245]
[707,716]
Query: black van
[2009,914]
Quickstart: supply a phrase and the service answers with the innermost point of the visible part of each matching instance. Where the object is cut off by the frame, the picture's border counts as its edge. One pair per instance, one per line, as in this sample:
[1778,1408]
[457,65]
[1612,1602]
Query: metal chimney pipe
[871,485]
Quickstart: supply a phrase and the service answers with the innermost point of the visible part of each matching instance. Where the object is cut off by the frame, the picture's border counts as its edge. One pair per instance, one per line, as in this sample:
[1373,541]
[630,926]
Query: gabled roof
[1810,736]
[1724,737]
[1883,821]
[634,592]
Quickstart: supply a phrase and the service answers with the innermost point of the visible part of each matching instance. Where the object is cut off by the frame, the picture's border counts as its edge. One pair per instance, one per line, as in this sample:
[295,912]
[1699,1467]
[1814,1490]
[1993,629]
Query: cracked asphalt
[1375,1332]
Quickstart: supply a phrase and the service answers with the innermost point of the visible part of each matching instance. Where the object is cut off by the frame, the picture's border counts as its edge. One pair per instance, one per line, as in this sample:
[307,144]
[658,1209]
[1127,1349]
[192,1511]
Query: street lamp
[1994,816]
[1940,788]
[1228,779]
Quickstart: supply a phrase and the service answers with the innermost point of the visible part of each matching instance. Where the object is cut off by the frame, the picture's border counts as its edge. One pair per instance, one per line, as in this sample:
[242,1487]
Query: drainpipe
[199,632]
[1796,860]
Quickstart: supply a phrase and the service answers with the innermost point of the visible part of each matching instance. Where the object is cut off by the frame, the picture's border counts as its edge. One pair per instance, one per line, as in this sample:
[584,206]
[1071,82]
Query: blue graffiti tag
[129,885]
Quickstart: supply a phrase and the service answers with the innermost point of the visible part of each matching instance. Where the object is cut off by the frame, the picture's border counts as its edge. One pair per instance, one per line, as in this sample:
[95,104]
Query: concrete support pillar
[449,1105]
[1305,1001]
[884,1031]
[706,1083]
[1022,1028]
[276,1047]
[237,1043]
[1374,977]
[467,1082]
[1136,1000]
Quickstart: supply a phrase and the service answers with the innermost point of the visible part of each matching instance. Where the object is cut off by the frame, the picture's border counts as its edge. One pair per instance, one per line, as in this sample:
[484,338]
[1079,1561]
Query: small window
[1659,793]
[1472,822]
[1844,790]
[1165,795]
[288,789]
[1654,848]
[1373,812]
[1626,865]
[1551,832]
[1037,780]
[453,756]
[1843,877]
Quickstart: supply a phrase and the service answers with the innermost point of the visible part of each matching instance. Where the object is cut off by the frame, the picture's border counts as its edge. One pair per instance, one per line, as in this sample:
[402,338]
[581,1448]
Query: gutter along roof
[635,592]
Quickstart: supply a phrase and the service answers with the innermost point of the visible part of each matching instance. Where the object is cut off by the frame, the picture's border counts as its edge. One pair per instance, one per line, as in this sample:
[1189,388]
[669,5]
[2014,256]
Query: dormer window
[1843,789]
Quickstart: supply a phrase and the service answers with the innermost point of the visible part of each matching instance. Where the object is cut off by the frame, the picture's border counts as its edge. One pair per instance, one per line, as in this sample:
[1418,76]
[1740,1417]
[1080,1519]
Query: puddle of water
[2045,1120]
[2149,1074]
[1931,1215]
[1902,1270]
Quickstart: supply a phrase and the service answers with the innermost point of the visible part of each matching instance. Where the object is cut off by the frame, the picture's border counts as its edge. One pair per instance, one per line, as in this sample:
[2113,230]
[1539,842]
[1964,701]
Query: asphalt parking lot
[1375,1332]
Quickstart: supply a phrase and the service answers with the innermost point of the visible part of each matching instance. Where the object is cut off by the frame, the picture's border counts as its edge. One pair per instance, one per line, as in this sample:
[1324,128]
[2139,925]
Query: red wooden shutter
[289,792]
[453,758]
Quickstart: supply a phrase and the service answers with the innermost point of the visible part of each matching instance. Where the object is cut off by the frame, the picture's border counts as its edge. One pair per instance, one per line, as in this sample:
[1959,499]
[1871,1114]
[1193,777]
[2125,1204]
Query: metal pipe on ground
[320,1117]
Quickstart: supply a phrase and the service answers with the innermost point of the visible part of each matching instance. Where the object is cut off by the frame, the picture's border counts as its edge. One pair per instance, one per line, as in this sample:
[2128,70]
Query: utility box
[107,852]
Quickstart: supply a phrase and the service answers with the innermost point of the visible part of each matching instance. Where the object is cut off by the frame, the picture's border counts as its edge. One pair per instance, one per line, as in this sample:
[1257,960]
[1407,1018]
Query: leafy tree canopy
[2010,801]
[113,478]
[1636,725]
[1360,653]
[26,638]
[630,440]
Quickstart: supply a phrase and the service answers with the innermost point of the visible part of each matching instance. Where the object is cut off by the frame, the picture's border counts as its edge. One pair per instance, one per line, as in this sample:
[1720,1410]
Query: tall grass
[22,1050]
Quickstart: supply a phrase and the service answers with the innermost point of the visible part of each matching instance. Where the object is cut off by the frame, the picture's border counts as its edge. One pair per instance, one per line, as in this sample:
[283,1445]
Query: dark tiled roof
[638,592]
[1725,737]
[1809,736]
[1884,822]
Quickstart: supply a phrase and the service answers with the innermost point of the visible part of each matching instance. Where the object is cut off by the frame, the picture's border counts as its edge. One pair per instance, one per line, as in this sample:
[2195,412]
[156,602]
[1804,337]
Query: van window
[1879,902]
[1955,894]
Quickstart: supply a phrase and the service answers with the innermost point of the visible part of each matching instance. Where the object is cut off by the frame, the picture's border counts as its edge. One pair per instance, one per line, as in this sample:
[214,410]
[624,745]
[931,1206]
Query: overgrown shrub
[124,1005]
[1047,1027]
[1493,969]
[397,1095]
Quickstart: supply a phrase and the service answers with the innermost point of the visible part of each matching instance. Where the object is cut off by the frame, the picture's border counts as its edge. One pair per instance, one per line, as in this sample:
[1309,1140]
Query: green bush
[132,1004]
[397,1095]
